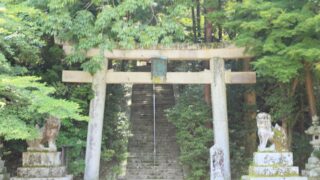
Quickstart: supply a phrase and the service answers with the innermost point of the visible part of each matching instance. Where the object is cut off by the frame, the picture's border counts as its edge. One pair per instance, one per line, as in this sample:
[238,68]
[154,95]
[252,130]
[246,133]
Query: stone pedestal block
[312,168]
[274,170]
[4,176]
[3,171]
[59,171]
[273,158]
[42,166]
[273,166]
[67,177]
[274,178]
[41,159]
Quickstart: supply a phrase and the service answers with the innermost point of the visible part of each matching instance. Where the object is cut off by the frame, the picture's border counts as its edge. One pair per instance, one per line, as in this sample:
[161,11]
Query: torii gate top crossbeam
[230,52]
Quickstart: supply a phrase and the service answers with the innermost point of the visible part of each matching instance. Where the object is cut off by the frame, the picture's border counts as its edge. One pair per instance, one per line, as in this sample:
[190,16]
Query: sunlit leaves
[24,100]
[20,33]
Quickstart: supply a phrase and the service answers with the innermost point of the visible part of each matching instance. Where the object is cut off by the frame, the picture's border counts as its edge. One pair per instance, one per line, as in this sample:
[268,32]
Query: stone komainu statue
[47,136]
[276,134]
[265,132]
[280,139]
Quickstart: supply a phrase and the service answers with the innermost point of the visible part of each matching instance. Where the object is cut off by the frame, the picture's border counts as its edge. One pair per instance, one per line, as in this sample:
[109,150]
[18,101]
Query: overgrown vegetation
[191,116]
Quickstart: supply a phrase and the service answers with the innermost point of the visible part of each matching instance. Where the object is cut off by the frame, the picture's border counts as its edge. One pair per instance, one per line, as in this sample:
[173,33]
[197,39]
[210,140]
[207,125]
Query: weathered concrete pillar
[94,136]
[219,110]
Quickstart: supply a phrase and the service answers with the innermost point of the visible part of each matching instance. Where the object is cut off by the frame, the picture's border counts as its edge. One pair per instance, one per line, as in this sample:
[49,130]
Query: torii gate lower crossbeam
[217,77]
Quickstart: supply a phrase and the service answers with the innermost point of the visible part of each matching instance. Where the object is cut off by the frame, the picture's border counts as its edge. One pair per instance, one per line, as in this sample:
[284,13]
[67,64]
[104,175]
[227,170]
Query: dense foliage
[191,116]
[24,100]
[283,35]
[107,24]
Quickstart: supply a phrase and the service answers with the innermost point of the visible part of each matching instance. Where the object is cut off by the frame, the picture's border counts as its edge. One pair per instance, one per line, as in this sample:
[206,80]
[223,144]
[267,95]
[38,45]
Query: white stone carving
[265,132]
[216,163]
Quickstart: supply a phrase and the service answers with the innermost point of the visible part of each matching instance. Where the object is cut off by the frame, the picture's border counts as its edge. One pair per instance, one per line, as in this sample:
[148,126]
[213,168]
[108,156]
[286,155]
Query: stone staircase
[141,163]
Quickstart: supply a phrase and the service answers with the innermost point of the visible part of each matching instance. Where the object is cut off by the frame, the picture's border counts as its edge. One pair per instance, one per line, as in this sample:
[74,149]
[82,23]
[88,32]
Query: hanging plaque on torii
[159,70]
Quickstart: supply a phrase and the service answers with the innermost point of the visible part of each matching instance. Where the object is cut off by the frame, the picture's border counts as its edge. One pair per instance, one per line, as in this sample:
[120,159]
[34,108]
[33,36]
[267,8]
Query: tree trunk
[208,39]
[194,25]
[220,26]
[285,121]
[309,90]
[250,115]
[198,18]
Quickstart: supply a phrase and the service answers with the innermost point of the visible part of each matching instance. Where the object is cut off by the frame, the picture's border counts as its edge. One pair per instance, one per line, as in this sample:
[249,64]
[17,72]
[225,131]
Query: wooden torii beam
[229,52]
[217,76]
[204,77]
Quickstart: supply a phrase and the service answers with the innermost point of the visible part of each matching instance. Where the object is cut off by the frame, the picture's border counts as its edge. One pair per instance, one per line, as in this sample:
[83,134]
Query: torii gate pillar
[219,111]
[95,125]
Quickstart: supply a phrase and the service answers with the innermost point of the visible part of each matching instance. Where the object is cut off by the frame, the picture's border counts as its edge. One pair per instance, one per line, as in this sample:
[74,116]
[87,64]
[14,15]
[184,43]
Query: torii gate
[217,76]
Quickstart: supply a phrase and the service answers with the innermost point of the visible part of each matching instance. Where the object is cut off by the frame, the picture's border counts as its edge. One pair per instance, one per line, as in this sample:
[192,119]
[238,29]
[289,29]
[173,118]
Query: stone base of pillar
[273,166]
[42,165]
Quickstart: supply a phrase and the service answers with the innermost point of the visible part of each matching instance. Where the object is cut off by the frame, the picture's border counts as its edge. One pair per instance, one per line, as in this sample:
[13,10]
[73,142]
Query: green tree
[108,24]
[24,100]
[284,37]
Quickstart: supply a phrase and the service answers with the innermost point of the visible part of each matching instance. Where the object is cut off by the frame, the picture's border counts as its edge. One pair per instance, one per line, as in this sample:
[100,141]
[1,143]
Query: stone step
[155,177]
[41,159]
[160,166]
[148,125]
[272,158]
[68,177]
[147,112]
[149,155]
[59,171]
[158,102]
[173,169]
[140,163]
[143,120]
[149,99]
[149,96]
[159,160]
[149,148]
[149,93]
[159,141]
[134,178]
[144,131]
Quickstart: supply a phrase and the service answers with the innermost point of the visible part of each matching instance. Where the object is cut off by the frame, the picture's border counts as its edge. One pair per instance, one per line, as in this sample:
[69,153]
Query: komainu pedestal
[41,162]
[273,162]
[3,171]
[44,165]
[273,166]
